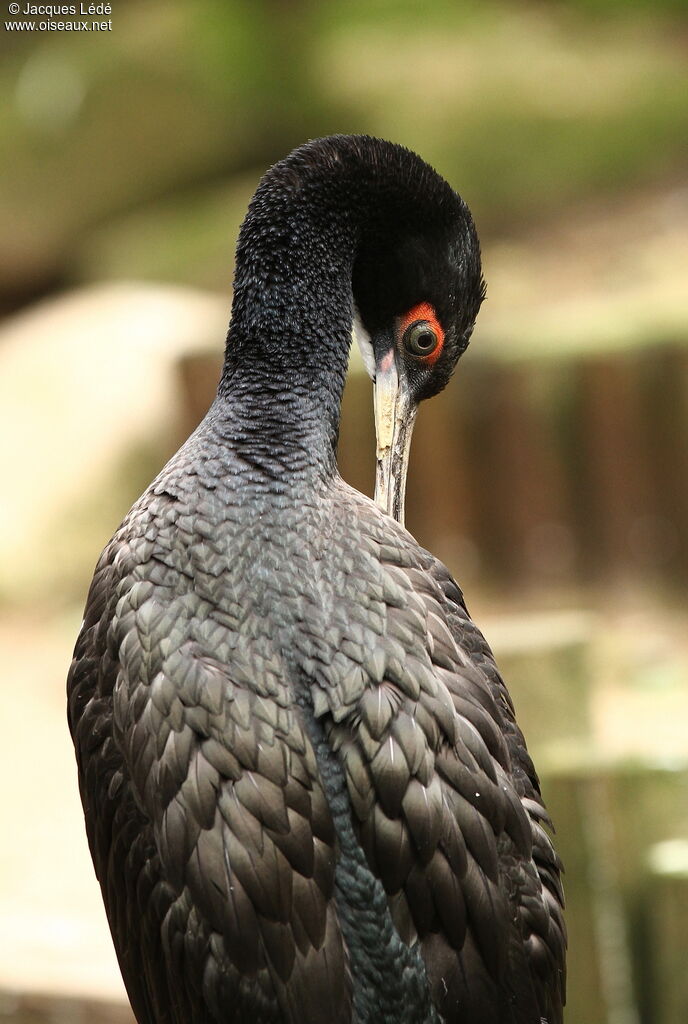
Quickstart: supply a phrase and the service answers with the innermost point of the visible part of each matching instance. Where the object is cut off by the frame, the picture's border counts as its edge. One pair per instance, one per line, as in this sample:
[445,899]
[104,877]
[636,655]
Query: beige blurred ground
[53,933]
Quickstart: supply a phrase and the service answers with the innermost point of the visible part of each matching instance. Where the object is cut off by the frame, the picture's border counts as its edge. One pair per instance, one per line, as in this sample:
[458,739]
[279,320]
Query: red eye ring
[424,312]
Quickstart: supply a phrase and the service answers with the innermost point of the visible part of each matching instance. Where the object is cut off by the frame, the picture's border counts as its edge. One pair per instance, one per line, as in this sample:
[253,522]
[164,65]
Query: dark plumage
[306,795]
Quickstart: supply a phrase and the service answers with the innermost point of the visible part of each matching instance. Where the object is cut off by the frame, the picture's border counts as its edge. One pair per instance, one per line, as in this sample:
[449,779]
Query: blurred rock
[89,411]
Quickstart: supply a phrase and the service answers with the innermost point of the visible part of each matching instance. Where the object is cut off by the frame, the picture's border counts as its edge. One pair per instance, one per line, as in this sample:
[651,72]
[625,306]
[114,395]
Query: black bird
[306,795]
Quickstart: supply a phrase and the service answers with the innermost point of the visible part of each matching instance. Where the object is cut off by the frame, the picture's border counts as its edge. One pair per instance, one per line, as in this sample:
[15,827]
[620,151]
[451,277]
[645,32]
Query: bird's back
[305,791]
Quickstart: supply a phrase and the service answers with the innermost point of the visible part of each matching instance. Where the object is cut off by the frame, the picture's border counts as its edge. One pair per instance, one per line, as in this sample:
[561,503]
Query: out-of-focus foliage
[121,152]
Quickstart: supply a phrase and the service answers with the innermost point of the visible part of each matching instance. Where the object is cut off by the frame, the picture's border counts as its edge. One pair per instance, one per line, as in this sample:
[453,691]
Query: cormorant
[306,795]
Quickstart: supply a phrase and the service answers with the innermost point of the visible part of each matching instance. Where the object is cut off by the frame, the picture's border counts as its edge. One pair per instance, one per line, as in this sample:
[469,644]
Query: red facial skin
[423,311]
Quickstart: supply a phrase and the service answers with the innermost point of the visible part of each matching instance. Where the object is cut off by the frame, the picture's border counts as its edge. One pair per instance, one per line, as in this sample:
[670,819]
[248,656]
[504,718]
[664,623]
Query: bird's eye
[420,333]
[420,338]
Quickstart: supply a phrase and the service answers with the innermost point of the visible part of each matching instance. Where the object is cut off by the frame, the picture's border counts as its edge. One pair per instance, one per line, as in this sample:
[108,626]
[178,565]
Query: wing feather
[445,797]
[213,840]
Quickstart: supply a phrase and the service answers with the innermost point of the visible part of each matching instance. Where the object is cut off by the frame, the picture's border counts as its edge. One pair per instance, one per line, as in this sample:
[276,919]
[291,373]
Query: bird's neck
[289,338]
[278,440]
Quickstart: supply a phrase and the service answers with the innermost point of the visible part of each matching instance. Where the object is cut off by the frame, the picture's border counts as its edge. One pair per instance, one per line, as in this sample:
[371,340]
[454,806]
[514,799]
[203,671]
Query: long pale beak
[395,415]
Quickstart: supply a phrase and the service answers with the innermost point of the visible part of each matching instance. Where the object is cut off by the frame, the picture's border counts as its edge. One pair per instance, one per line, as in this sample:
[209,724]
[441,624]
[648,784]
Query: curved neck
[289,337]
[331,209]
[290,333]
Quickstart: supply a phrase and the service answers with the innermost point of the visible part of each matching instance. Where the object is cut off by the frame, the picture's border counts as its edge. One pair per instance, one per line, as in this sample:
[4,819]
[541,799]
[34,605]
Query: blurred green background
[552,475]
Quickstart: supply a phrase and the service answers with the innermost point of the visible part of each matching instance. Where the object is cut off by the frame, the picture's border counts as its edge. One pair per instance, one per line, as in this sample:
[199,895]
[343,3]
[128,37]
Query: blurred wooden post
[665,397]
[515,468]
[440,509]
[627,936]
[666,916]
[599,965]
[198,374]
[648,805]
[616,462]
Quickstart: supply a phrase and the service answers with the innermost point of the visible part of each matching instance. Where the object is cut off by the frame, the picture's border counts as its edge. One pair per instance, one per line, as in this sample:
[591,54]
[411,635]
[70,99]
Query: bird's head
[353,225]
[417,286]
